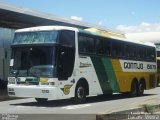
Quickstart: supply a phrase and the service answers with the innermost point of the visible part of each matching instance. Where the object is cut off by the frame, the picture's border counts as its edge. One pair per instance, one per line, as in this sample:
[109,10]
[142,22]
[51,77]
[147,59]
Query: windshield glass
[37,61]
[35,37]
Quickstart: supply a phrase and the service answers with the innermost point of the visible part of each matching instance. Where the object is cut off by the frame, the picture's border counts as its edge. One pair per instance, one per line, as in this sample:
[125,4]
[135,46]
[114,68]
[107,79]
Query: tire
[134,89]
[80,93]
[141,89]
[1,84]
[158,82]
[41,100]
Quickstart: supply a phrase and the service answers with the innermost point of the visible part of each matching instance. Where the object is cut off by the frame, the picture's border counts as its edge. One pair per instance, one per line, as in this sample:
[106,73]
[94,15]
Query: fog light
[10,89]
[52,83]
[11,81]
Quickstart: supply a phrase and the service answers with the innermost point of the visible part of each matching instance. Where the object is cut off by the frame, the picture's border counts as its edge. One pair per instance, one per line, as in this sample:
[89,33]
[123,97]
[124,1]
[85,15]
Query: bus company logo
[66,89]
[132,65]
[84,65]
[137,66]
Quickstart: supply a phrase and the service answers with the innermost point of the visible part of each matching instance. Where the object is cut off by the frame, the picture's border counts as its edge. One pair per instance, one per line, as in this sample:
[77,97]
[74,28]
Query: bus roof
[113,35]
[46,28]
[92,31]
[105,33]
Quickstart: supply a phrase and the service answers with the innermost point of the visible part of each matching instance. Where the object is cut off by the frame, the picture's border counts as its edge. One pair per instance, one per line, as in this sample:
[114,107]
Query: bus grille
[28,82]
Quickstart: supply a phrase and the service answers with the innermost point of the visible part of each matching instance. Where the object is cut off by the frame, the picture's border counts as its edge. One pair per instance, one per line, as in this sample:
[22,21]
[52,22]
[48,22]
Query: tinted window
[108,47]
[151,54]
[100,46]
[67,38]
[35,37]
[130,50]
[103,46]
[86,44]
[117,49]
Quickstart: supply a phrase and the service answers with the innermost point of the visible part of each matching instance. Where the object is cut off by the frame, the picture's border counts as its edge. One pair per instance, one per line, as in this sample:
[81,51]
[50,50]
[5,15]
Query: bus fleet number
[45,91]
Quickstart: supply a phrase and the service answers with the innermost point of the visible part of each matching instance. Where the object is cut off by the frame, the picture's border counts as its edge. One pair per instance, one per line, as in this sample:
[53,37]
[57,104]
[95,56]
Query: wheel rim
[141,88]
[80,92]
[134,91]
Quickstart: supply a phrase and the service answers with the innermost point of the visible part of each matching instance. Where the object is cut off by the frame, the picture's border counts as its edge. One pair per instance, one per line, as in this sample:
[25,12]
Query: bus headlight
[47,83]
[11,81]
[44,83]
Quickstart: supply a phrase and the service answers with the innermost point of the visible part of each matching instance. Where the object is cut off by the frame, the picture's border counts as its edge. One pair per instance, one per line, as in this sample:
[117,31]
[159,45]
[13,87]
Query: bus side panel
[125,78]
[105,74]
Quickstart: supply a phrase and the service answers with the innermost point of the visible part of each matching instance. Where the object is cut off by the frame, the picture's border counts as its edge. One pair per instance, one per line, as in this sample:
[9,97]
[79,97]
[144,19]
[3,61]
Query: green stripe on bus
[111,74]
[101,74]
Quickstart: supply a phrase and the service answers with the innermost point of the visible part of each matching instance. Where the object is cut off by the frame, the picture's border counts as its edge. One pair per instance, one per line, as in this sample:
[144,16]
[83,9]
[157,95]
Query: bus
[59,62]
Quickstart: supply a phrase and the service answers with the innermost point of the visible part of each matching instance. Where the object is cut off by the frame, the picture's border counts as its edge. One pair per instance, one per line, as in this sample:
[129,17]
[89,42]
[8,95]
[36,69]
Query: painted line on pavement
[76,106]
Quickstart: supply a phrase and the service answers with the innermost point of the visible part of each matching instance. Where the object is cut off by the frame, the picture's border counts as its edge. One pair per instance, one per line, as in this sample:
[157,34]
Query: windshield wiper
[34,75]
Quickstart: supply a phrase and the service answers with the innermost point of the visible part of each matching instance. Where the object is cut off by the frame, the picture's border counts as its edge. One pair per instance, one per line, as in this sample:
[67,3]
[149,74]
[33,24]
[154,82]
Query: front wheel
[80,93]
[41,100]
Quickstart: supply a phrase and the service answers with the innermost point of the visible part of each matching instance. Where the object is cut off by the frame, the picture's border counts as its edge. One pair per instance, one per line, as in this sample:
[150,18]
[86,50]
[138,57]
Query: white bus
[57,62]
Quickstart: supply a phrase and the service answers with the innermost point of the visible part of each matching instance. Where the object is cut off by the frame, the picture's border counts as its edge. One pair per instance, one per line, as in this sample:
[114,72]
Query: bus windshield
[35,37]
[37,61]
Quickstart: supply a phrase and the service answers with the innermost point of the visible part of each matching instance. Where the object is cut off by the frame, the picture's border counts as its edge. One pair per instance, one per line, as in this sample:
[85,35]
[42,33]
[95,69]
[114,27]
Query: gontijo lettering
[132,65]
[151,66]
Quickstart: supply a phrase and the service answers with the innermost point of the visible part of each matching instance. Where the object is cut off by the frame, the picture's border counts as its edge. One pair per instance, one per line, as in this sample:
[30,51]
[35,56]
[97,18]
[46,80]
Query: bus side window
[86,44]
[107,46]
[117,49]
[90,45]
[99,46]
[138,53]
[82,45]
[114,52]
[129,51]
[67,38]
[153,54]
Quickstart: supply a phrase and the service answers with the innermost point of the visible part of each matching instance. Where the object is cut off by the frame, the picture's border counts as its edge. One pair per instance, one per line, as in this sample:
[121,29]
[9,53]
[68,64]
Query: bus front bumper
[32,91]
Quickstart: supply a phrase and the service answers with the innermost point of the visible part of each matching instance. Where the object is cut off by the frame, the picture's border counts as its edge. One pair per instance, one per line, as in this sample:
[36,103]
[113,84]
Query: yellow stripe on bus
[124,79]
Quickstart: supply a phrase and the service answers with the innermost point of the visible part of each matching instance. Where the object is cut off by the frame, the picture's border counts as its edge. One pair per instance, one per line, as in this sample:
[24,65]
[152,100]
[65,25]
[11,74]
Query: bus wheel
[134,91]
[80,93]
[158,81]
[41,100]
[140,89]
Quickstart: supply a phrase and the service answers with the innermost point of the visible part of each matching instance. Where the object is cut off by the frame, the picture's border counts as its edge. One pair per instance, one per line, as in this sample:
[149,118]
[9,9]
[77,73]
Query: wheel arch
[85,82]
[134,80]
[142,80]
[158,80]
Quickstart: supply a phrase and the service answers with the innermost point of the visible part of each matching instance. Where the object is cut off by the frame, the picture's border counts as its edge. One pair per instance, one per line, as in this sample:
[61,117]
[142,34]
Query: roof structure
[153,37]
[19,17]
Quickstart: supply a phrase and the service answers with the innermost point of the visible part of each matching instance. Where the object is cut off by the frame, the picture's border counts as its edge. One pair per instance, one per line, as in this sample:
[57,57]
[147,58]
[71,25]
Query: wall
[6,37]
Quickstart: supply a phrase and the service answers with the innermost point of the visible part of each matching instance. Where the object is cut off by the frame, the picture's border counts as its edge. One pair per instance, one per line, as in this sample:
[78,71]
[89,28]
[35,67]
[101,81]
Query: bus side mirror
[61,64]
[62,54]
[61,60]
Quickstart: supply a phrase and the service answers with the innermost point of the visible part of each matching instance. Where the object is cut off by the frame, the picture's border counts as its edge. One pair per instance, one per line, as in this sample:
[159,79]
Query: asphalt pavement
[92,107]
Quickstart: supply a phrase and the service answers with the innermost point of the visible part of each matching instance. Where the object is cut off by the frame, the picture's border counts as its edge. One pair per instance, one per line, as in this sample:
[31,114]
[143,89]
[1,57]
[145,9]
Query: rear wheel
[158,82]
[41,100]
[134,89]
[80,93]
[140,89]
